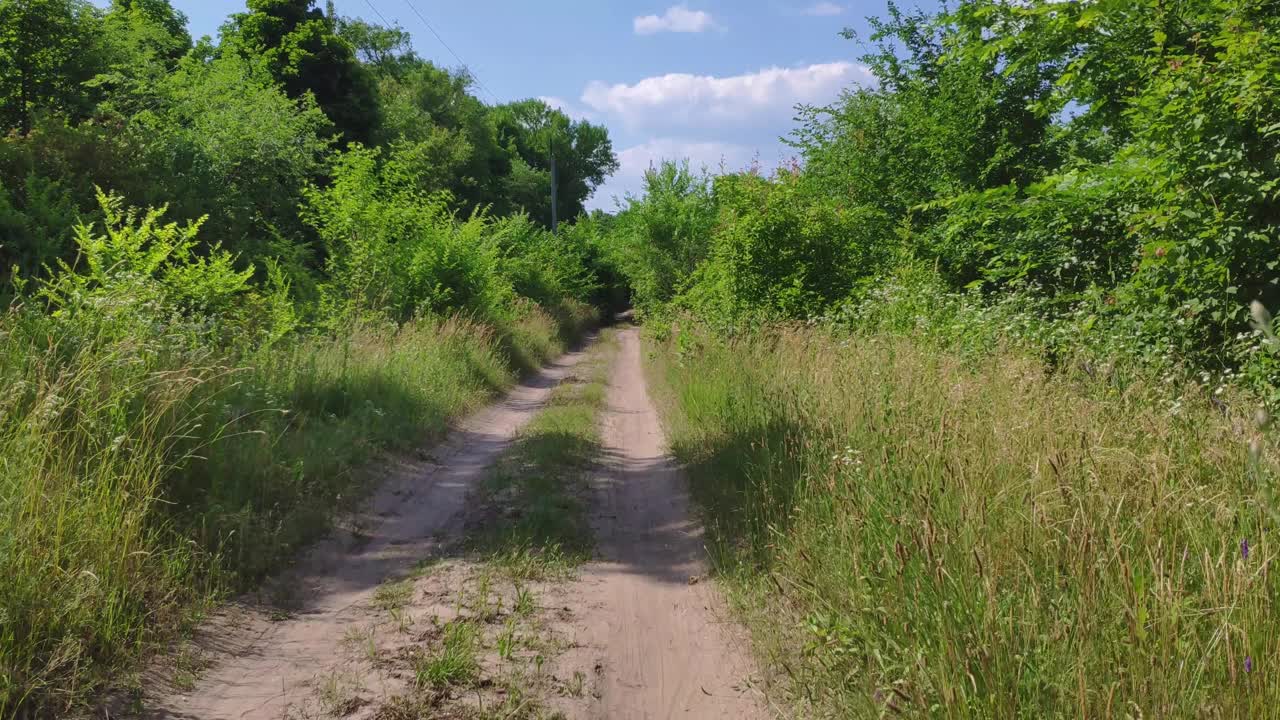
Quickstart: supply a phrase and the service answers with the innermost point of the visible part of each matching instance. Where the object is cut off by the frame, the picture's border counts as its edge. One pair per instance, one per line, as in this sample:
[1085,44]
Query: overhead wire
[465,66]
[385,22]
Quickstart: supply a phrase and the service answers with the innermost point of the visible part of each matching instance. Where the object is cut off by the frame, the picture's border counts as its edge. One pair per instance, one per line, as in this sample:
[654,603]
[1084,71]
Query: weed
[393,595]
[402,618]
[340,693]
[525,602]
[362,640]
[577,686]
[507,640]
[455,663]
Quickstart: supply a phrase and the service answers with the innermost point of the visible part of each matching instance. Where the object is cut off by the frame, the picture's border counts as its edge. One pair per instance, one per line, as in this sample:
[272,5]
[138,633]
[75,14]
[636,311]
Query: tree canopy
[236,130]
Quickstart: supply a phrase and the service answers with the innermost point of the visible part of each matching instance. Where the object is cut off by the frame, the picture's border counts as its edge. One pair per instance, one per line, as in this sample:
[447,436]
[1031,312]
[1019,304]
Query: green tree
[147,31]
[429,113]
[300,46]
[663,236]
[48,50]
[143,42]
[232,145]
[533,131]
[385,49]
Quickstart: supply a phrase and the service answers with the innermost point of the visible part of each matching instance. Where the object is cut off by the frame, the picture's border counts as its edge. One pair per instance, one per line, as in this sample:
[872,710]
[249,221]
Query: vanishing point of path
[641,621]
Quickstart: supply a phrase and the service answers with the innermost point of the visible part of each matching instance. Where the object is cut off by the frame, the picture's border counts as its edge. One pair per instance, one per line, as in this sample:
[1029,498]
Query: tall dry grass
[910,534]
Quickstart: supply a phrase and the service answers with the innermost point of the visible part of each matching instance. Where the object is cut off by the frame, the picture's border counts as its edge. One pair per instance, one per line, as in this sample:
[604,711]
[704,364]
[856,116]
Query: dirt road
[639,629]
[667,650]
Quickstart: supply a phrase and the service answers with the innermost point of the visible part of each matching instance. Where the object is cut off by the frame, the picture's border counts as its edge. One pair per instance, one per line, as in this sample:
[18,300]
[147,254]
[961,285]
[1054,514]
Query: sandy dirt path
[263,666]
[638,633]
[666,649]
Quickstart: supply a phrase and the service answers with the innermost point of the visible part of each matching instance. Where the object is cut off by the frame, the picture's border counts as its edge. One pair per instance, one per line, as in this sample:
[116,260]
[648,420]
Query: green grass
[456,662]
[143,476]
[909,534]
[536,526]
[393,595]
[526,524]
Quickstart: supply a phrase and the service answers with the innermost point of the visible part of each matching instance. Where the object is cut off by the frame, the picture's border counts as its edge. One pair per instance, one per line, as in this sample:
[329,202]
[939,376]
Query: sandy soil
[640,632]
[659,628]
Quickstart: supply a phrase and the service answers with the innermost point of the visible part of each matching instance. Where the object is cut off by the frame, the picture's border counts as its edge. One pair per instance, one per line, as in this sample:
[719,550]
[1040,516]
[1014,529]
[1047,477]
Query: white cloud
[636,160]
[566,107]
[678,18]
[824,9]
[761,98]
[713,155]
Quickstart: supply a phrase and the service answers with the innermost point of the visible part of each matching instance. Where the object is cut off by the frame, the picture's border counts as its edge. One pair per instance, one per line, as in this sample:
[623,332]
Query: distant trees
[532,132]
[120,97]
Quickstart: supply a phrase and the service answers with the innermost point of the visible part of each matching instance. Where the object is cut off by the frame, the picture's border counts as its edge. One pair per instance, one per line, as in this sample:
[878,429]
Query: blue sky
[714,81]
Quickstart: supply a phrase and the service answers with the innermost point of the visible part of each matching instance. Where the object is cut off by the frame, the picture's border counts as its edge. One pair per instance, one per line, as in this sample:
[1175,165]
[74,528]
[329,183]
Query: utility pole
[554,189]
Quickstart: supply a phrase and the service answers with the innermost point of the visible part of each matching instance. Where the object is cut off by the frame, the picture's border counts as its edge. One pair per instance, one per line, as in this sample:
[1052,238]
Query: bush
[50,180]
[166,434]
[35,220]
[543,267]
[781,251]
[662,237]
[393,250]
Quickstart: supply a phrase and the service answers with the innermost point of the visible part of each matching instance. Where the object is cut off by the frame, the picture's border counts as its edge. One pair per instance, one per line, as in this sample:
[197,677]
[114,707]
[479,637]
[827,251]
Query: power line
[375,12]
[455,55]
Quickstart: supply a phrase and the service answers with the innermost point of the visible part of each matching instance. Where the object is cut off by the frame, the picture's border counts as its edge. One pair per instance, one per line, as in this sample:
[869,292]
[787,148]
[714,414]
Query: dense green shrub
[780,250]
[34,218]
[391,248]
[603,285]
[51,175]
[541,266]
[665,234]
[168,433]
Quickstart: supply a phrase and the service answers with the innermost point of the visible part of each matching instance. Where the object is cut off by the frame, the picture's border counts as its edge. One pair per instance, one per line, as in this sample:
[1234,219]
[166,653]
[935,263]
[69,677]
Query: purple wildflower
[1248,664]
[1244,548]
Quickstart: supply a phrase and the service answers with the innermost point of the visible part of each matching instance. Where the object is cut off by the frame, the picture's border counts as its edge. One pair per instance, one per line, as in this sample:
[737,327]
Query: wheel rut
[638,632]
[263,661]
[655,622]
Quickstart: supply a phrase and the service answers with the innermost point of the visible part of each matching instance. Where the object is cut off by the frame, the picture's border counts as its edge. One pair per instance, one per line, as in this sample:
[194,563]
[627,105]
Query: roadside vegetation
[975,393]
[233,274]
[908,532]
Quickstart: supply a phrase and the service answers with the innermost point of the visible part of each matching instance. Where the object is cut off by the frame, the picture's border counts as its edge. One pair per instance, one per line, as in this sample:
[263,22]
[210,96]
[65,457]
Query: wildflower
[1248,663]
[1244,548]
